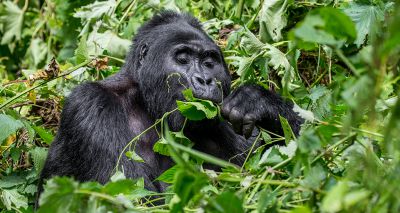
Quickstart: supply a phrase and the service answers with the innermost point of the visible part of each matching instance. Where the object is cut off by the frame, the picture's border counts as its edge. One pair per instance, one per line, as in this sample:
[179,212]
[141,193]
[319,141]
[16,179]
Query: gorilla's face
[200,64]
[175,57]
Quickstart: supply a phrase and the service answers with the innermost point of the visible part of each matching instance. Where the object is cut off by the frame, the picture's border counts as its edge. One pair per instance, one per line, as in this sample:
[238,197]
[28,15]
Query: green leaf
[366,19]
[308,141]
[321,100]
[10,181]
[39,155]
[180,138]
[108,41]
[58,195]
[225,202]
[30,189]
[47,136]
[250,43]
[132,155]
[169,174]
[118,175]
[96,10]
[287,130]
[12,19]
[81,52]
[243,64]
[187,185]
[301,209]
[271,157]
[314,177]
[188,94]
[119,187]
[288,150]
[161,146]
[37,51]
[197,110]
[273,19]
[356,91]
[273,57]
[333,201]
[391,43]
[328,26]
[8,126]
[267,201]
[12,198]
[354,197]
[302,113]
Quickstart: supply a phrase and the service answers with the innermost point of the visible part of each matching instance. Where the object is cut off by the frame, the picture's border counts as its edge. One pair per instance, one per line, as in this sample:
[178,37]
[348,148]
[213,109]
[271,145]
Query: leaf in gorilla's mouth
[195,108]
[209,95]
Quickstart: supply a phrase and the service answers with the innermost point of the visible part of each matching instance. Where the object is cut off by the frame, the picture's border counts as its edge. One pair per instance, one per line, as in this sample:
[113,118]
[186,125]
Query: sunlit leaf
[12,198]
[12,19]
[366,18]
[197,110]
[132,155]
[39,155]
[273,19]
[8,126]
[324,26]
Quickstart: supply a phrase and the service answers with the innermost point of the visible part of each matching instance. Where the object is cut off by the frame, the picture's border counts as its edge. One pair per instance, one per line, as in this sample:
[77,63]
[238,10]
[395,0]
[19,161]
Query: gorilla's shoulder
[91,91]
[90,97]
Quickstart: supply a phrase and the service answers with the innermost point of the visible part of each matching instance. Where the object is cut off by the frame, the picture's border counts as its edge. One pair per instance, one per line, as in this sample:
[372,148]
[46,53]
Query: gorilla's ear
[142,53]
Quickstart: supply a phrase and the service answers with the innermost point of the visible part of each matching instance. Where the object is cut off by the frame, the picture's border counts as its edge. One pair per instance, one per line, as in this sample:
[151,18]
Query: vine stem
[239,9]
[264,175]
[69,71]
[250,151]
[339,52]
[333,147]
[99,195]
[138,136]
[126,13]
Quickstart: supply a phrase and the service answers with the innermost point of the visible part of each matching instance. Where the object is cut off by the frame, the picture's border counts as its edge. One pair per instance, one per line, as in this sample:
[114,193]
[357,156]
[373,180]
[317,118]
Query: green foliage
[12,18]
[327,26]
[196,109]
[8,126]
[338,61]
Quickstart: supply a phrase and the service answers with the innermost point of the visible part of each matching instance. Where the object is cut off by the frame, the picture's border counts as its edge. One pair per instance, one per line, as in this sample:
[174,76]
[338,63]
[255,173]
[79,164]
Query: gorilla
[100,118]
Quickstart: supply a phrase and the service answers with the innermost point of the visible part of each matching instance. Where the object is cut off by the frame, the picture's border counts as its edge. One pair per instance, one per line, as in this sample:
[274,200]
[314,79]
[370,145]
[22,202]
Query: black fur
[100,118]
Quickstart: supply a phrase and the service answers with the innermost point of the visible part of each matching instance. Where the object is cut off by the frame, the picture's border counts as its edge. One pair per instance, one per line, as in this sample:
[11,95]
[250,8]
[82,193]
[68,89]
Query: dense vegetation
[338,60]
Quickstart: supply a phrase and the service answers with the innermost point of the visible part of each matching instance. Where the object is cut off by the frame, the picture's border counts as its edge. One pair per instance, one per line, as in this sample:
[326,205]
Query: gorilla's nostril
[200,80]
[209,81]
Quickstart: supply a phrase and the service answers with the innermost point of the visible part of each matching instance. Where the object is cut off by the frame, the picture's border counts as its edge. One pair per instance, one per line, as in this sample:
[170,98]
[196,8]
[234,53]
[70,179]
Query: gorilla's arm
[251,105]
[94,129]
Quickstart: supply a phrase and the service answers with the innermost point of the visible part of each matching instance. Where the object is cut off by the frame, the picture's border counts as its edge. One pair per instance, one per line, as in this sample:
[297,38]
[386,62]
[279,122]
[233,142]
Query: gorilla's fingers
[225,110]
[236,120]
[248,125]
[229,103]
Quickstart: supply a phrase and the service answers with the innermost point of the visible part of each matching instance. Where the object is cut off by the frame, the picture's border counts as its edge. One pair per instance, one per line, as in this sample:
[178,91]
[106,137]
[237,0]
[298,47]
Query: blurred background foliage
[337,60]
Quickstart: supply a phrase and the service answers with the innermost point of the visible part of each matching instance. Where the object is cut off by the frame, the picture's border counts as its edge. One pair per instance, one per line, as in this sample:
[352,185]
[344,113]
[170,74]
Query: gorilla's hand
[249,105]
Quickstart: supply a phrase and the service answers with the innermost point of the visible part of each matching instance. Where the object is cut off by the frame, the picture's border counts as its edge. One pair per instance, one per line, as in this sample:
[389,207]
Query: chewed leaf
[132,155]
[161,146]
[197,110]
[188,94]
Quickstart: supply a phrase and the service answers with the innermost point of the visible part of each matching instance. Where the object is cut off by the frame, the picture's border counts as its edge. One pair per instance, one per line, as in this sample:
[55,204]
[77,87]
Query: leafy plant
[338,61]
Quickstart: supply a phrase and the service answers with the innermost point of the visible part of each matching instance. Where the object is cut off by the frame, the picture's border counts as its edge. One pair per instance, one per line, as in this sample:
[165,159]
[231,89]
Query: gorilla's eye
[182,58]
[209,64]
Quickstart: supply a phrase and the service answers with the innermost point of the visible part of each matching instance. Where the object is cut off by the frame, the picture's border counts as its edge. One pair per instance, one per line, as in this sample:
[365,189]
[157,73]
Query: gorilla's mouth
[207,91]
[213,95]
